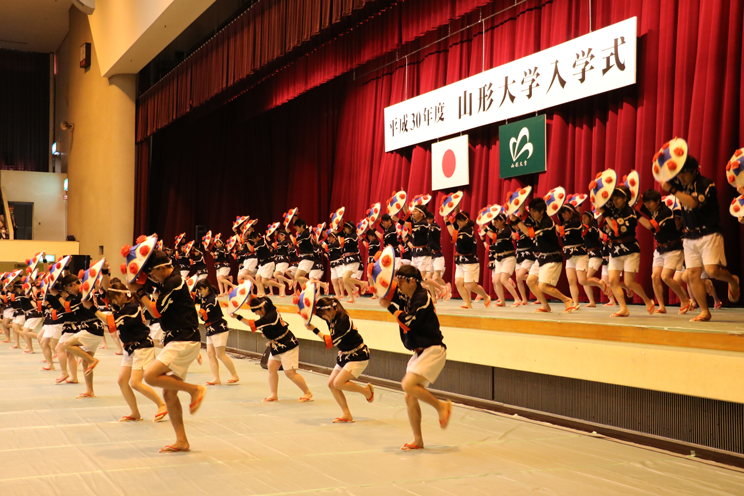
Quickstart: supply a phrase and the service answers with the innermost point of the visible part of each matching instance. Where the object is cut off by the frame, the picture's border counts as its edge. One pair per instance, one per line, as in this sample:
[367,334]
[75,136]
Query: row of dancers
[155,320]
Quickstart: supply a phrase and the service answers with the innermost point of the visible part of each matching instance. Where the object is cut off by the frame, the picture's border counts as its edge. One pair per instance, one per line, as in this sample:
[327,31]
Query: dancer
[32,318]
[438,264]
[504,259]
[546,271]
[625,256]
[372,243]
[265,264]
[525,261]
[84,343]
[282,246]
[306,245]
[420,251]
[353,356]
[336,262]
[178,319]
[467,268]
[414,311]
[19,317]
[67,361]
[577,259]
[139,350]
[221,266]
[285,350]
[349,242]
[593,247]
[703,238]
[217,333]
[52,329]
[668,251]
[196,260]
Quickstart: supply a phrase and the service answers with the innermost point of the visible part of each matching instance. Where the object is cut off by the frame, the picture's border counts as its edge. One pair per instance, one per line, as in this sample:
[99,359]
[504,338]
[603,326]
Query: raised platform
[724,332]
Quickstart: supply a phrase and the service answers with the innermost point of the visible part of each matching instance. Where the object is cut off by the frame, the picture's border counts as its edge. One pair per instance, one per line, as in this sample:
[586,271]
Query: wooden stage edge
[646,333]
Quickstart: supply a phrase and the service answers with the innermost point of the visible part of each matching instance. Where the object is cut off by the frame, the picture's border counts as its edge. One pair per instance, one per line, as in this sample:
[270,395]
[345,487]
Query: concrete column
[101,151]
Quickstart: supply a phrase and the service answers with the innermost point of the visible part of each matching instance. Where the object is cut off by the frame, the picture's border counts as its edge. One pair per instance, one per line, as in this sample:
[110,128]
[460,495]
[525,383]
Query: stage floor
[51,443]
[725,320]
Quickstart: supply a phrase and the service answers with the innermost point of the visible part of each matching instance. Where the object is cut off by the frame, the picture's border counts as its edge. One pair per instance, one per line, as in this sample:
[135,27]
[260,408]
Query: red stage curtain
[24,111]
[689,85]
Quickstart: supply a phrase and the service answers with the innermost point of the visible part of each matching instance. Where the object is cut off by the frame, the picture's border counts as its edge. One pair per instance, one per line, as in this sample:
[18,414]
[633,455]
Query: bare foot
[306,397]
[270,398]
[590,305]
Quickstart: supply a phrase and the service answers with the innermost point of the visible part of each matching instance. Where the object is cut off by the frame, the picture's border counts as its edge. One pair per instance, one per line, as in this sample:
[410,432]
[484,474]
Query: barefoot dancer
[467,268]
[419,330]
[353,355]
[217,333]
[285,350]
[175,308]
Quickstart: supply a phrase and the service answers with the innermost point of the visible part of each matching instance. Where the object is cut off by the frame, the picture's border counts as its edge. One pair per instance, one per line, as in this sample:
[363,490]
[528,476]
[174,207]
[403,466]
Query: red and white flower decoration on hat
[576,200]
[239,295]
[55,270]
[450,203]
[737,207]
[488,213]
[668,161]
[422,200]
[137,256]
[671,202]
[515,199]
[633,182]
[290,216]
[555,199]
[239,221]
[337,218]
[34,261]
[373,213]
[187,248]
[272,228]
[381,273]
[90,278]
[306,302]
[207,240]
[396,203]
[602,187]
[178,239]
[735,169]
[362,226]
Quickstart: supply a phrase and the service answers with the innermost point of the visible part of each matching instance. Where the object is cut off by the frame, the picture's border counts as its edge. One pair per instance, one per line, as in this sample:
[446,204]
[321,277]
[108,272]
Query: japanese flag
[450,164]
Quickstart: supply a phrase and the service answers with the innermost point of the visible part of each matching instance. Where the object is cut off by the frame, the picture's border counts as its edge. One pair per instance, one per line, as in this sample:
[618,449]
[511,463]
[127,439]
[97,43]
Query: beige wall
[46,192]
[100,150]
[18,251]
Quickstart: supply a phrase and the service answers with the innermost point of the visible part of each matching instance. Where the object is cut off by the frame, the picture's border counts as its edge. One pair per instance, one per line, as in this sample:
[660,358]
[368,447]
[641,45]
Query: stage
[51,443]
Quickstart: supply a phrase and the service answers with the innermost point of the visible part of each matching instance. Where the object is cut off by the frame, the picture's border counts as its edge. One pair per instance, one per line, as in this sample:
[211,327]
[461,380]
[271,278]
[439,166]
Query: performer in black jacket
[217,333]
[419,330]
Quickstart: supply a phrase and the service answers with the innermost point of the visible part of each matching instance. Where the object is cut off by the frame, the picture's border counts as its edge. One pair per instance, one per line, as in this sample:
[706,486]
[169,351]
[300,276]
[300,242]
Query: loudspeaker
[78,263]
[199,233]
[86,6]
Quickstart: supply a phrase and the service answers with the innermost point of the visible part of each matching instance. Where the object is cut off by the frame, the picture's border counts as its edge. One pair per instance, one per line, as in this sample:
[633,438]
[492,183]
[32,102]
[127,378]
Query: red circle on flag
[449,163]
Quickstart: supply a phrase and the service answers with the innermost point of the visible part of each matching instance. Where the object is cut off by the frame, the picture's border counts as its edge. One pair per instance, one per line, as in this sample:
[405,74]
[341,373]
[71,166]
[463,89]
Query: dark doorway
[23,213]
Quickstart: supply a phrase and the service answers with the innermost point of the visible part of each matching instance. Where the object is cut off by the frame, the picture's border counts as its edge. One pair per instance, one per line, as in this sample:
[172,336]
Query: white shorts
[142,358]
[290,359]
[707,250]
[578,262]
[52,331]
[8,313]
[250,264]
[281,267]
[355,368]
[670,260]
[351,267]
[527,265]
[33,323]
[423,264]
[398,263]
[223,271]
[184,274]
[266,271]
[550,273]
[66,336]
[535,268]
[178,356]
[605,270]
[305,266]
[595,263]
[626,263]
[359,274]
[156,332]
[316,274]
[89,341]
[428,364]
[506,266]
[338,272]
[405,261]
[201,277]
[467,272]
[218,340]
[437,264]
[291,270]
[20,320]
[127,359]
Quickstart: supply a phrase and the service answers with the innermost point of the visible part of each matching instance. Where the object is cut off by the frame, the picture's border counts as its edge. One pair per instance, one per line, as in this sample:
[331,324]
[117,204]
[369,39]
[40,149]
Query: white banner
[591,64]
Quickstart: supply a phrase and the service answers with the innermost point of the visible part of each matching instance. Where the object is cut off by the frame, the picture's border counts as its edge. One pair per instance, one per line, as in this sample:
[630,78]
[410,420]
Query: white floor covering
[53,444]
